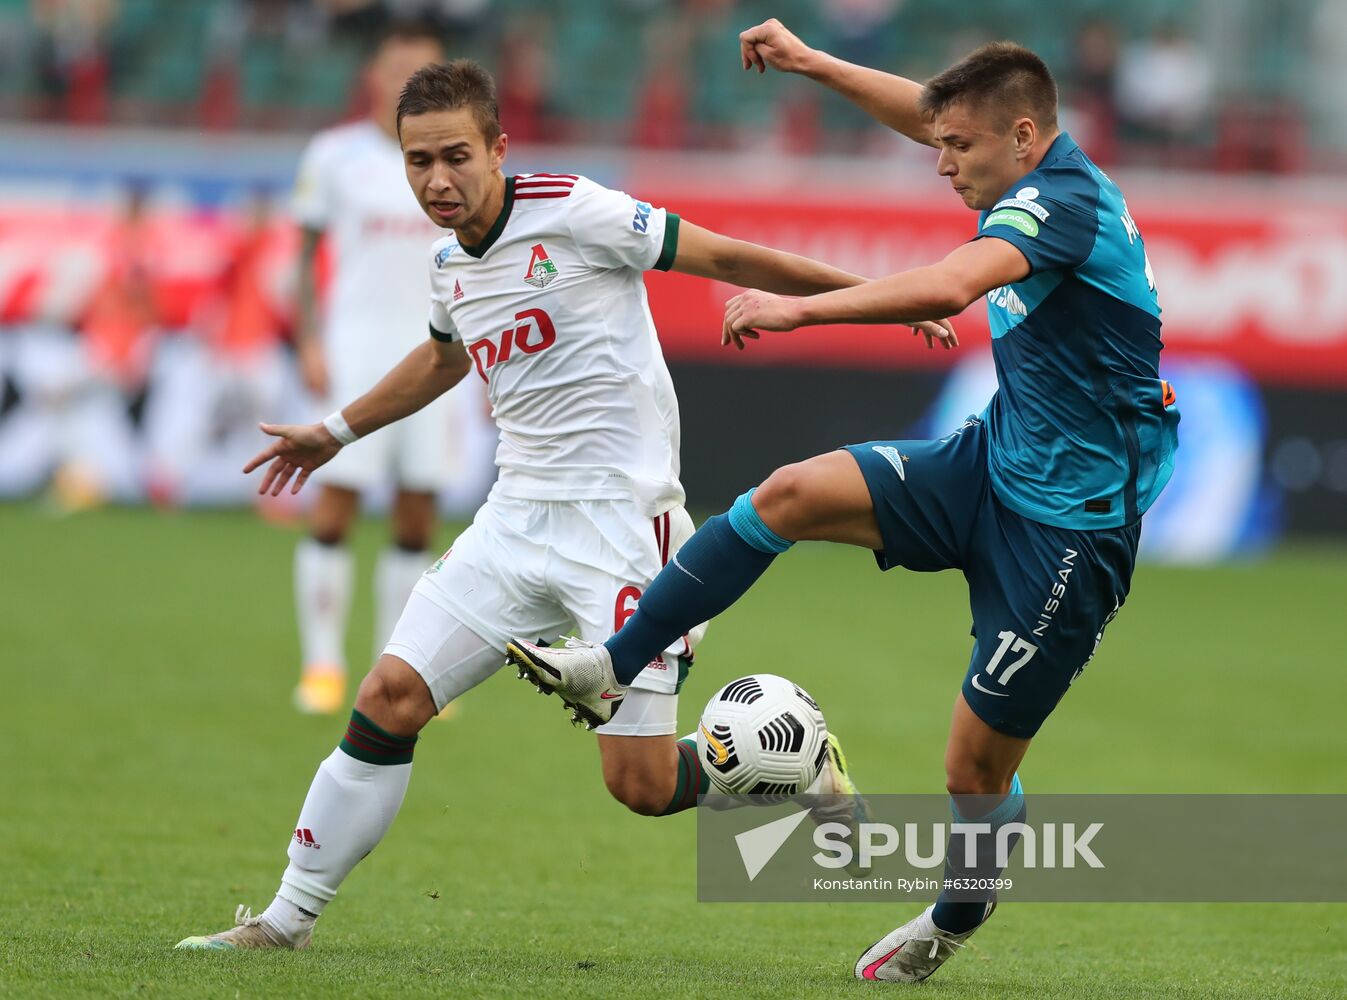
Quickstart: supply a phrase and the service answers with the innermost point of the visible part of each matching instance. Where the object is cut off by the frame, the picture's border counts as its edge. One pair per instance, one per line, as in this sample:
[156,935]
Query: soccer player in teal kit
[1038,500]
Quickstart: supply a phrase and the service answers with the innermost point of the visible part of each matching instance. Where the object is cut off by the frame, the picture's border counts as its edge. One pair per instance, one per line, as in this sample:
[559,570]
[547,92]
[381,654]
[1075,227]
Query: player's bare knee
[782,500]
[413,520]
[375,696]
[393,696]
[331,517]
[643,797]
[412,534]
[643,790]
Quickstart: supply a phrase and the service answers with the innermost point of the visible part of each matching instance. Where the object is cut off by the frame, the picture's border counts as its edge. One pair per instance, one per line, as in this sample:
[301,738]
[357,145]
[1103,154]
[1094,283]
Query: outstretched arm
[943,289]
[889,99]
[748,265]
[429,371]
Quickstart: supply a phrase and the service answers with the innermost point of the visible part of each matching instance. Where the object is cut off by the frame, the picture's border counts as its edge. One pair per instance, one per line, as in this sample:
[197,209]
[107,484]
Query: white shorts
[415,453]
[537,570]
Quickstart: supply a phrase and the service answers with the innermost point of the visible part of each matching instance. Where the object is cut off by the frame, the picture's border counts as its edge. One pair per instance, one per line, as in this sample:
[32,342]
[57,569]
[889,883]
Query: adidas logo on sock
[304,838]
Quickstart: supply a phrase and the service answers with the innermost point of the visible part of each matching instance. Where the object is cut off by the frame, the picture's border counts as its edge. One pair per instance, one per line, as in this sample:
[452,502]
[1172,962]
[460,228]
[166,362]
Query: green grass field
[156,768]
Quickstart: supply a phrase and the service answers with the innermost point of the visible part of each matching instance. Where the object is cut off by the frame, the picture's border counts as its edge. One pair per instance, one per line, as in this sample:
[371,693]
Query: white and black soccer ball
[762,735]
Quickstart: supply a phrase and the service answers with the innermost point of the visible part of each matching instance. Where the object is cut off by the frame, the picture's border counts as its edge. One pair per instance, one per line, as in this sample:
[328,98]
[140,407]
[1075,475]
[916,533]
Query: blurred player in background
[351,189]
[1038,501]
[540,290]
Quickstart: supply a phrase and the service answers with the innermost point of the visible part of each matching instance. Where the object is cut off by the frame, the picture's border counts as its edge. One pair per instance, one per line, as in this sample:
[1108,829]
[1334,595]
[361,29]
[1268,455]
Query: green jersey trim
[669,251]
[497,227]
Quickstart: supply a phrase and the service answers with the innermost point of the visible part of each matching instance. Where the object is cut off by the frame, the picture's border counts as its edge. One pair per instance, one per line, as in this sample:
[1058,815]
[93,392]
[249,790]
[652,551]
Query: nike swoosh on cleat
[873,967]
[609,697]
[995,694]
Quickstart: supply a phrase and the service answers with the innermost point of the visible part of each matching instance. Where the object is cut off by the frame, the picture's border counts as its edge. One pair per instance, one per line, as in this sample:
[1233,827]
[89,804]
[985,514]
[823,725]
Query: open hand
[751,311]
[299,450]
[933,330]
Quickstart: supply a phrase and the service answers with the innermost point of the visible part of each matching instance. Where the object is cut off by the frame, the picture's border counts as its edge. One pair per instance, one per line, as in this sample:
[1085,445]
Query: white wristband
[339,428]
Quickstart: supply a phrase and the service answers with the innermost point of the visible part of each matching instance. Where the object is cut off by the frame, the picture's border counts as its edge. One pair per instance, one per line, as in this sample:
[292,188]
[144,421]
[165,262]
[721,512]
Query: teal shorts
[1040,595]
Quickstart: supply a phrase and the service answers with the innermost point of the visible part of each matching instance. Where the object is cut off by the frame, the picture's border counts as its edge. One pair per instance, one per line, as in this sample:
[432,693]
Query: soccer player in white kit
[352,189]
[538,292]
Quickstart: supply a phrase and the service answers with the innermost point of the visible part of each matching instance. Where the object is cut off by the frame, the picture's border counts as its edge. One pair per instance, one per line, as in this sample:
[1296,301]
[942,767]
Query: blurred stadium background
[147,148]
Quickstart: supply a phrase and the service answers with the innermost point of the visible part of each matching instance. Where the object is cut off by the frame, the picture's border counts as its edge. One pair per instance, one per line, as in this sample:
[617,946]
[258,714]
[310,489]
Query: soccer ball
[762,735]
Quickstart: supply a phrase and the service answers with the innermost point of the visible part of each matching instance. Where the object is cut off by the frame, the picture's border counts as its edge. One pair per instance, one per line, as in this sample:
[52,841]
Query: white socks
[349,808]
[324,581]
[324,577]
[287,922]
[395,575]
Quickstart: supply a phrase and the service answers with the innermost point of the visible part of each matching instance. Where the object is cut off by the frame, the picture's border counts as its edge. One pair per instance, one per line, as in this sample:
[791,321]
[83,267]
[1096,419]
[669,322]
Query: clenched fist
[772,44]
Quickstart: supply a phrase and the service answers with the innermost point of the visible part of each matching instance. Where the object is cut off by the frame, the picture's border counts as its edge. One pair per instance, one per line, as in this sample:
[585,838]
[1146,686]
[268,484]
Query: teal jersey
[1081,430]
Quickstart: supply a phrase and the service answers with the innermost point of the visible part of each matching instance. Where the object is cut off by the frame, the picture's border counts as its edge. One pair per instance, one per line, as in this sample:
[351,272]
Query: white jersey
[352,185]
[552,309]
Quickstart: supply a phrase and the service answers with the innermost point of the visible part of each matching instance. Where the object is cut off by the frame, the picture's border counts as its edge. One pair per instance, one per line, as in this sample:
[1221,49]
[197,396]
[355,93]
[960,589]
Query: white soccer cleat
[913,951]
[580,672]
[248,932]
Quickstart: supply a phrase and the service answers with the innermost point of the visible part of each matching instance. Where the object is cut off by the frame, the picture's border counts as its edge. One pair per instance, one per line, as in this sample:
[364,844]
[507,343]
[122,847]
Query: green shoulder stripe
[1015,219]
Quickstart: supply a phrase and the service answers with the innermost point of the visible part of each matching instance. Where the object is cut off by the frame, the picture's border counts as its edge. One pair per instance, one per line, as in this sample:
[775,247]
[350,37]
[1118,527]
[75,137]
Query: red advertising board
[1262,281]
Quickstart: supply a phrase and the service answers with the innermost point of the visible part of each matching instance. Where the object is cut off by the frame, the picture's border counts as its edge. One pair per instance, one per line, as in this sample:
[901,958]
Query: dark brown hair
[1000,76]
[450,86]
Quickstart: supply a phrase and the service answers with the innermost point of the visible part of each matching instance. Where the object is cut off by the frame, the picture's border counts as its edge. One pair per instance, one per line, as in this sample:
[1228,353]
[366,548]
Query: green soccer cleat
[248,932]
[837,799]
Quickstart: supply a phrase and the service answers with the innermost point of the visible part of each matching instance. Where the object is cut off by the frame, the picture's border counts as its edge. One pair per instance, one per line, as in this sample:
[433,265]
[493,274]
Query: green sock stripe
[687,776]
[680,787]
[703,782]
[374,731]
[684,775]
[367,741]
[692,781]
